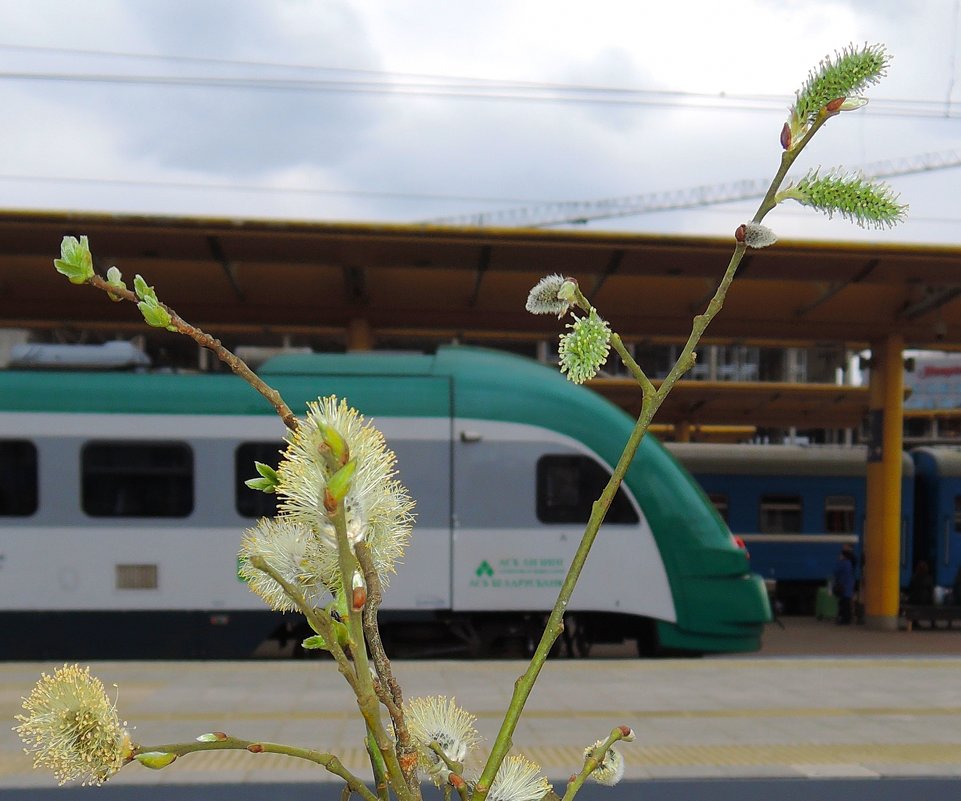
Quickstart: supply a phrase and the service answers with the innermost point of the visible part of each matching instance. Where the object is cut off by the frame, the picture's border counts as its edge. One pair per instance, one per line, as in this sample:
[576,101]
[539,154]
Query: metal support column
[359,335]
[882,540]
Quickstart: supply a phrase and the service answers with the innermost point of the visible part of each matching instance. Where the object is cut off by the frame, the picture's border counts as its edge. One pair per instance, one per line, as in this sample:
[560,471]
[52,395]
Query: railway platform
[818,701]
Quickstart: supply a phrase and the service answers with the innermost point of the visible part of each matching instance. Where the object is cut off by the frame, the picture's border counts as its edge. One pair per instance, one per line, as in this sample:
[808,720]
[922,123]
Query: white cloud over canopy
[373,138]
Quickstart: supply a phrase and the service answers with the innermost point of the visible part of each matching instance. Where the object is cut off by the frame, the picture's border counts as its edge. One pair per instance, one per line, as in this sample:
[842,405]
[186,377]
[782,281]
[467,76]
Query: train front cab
[674,569]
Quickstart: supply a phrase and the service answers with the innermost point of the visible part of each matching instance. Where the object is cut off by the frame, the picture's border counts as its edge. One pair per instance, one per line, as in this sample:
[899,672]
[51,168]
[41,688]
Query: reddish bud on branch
[786,137]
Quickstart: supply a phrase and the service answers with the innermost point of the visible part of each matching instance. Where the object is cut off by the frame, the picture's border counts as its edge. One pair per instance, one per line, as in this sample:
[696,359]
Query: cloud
[388,147]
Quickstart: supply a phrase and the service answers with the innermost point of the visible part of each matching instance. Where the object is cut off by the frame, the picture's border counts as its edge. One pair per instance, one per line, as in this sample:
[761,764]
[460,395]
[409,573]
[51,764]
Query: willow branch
[367,700]
[635,369]
[328,761]
[388,688]
[450,764]
[205,340]
[649,405]
[555,622]
[320,622]
[593,760]
[378,765]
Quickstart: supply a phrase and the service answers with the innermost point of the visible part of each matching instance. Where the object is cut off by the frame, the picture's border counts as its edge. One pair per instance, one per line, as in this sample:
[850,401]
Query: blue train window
[18,478]
[137,479]
[780,514]
[253,503]
[839,514]
[567,487]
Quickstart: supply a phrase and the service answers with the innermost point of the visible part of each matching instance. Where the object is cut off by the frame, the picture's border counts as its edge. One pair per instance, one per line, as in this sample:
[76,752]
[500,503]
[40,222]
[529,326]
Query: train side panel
[939,512]
[522,497]
[794,506]
[480,436]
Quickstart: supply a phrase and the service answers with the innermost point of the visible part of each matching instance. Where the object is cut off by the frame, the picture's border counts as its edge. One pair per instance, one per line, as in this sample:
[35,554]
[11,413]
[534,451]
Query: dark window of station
[254,503]
[780,514]
[18,478]
[719,500]
[567,487]
[839,514]
[137,479]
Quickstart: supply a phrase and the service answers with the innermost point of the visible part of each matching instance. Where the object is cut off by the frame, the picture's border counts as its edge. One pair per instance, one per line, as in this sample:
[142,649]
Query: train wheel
[648,644]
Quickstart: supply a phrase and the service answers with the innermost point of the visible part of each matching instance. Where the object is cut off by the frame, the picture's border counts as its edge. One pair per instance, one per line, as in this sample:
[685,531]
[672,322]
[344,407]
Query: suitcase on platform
[826,605]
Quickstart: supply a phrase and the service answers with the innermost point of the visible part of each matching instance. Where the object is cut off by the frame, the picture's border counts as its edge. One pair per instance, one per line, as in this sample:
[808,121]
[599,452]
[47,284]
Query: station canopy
[259,277]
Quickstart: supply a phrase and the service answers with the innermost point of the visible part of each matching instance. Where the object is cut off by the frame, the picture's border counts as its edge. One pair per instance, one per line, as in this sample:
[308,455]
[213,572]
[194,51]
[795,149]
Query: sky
[406,111]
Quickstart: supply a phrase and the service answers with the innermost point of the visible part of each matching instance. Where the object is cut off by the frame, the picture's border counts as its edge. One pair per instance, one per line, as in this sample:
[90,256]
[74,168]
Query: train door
[503,558]
[947,558]
[521,498]
[422,446]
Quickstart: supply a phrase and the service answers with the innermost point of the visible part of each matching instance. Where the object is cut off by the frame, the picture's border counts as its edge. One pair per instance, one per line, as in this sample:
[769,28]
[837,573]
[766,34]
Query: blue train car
[795,506]
[938,517]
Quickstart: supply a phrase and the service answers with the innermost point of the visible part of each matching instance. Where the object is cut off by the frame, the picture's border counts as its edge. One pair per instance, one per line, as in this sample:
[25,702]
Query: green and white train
[122,503]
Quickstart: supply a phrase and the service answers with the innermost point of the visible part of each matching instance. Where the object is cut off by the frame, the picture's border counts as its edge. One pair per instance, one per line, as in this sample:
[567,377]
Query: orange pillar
[359,335]
[882,537]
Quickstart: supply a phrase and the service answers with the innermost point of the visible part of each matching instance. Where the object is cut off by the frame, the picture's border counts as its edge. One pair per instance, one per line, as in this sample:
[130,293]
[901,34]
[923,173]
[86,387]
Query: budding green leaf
[315,643]
[154,314]
[75,261]
[333,440]
[143,291]
[155,760]
[261,484]
[868,203]
[339,483]
[267,481]
[115,279]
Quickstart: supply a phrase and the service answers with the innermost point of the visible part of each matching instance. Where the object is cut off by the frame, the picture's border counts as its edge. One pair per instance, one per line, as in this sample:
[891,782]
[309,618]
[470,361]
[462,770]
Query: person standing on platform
[844,587]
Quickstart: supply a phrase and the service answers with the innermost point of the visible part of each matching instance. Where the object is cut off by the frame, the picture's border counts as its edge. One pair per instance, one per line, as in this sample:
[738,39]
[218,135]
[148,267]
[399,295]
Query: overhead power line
[574,212]
[349,80]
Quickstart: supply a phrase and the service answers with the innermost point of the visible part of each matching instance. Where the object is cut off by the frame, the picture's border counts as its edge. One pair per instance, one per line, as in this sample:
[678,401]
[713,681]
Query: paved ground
[817,701]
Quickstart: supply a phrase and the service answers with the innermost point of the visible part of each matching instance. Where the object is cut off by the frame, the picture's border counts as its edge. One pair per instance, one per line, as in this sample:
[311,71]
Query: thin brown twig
[205,340]
[388,689]
[328,761]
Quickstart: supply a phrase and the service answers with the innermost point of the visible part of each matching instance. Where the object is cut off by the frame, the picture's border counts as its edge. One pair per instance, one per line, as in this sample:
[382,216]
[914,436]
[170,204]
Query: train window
[18,478]
[780,514]
[253,503]
[839,514]
[137,479]
[567,487]
[719,500]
